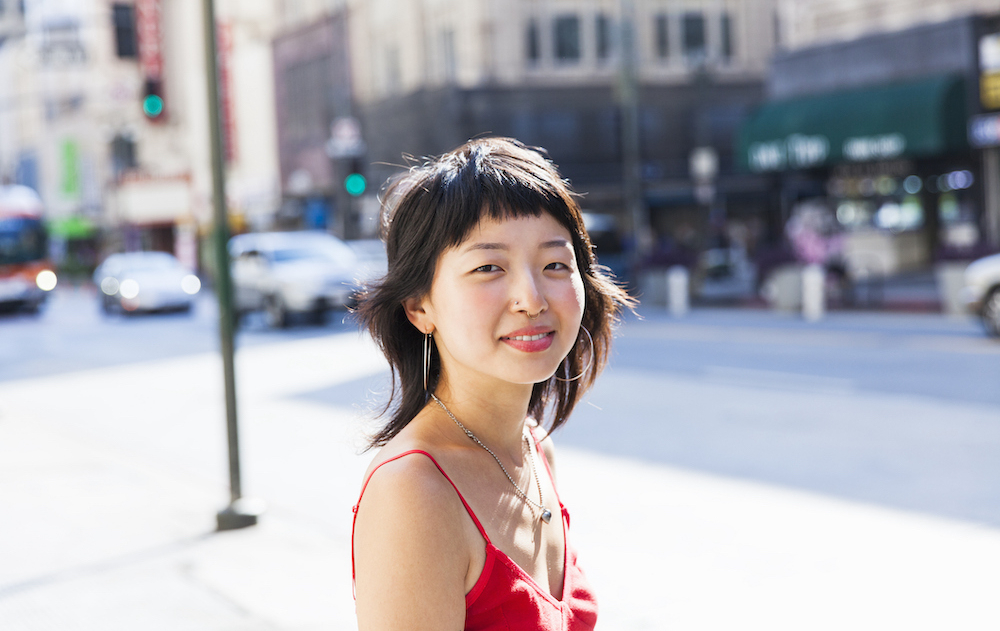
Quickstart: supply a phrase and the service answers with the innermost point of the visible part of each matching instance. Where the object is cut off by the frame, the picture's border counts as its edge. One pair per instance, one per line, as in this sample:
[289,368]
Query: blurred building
[871,115]
[104,112]
[807,23]
[427,75]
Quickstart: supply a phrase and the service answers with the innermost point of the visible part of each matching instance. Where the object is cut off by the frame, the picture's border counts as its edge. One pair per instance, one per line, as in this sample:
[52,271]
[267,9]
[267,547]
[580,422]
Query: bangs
[497,182]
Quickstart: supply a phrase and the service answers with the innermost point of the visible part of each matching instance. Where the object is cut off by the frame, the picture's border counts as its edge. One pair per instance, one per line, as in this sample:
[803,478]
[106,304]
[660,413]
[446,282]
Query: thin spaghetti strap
[541,453]
[468,508]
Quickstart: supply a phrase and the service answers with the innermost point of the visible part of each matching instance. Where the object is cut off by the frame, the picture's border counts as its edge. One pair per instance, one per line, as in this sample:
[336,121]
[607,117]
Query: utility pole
[238,514]
[628,99]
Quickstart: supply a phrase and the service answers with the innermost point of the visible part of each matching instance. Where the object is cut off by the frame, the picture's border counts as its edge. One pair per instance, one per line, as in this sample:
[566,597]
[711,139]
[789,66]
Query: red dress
[506,597]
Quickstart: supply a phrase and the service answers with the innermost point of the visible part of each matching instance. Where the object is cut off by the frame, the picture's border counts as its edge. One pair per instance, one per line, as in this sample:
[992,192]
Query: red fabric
[506,597]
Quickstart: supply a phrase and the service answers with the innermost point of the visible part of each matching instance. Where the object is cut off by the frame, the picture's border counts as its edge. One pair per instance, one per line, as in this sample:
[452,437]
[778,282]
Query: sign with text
[148,20]
[984,131]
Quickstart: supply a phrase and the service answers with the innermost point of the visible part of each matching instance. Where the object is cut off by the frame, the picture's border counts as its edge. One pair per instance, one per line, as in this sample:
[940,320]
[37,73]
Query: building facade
[875,131]
[110,123]
[427,75]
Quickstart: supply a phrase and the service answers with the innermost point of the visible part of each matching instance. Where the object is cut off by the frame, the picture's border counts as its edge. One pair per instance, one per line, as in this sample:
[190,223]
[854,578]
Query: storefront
[890,164]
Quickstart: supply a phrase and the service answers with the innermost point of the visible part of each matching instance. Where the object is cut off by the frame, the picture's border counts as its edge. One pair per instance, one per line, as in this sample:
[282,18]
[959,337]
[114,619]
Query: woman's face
[506,303]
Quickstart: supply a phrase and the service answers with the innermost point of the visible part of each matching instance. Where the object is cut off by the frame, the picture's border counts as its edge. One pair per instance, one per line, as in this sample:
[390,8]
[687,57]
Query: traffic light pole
[628,98]
[237,514]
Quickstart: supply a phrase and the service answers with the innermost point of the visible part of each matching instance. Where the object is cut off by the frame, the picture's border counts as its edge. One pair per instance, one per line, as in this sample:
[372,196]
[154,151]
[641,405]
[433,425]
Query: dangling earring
[589,365]
[427,359]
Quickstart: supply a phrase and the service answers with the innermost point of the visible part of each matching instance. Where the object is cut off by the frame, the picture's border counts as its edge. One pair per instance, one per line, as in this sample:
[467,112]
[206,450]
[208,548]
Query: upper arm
[411,557]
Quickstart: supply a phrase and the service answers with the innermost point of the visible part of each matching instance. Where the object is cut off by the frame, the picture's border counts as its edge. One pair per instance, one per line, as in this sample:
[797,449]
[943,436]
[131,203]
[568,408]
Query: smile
[530,342]
[527,338]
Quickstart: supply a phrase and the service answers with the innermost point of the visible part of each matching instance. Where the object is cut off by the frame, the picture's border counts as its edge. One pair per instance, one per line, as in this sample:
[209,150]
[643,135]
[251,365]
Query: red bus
[26,275]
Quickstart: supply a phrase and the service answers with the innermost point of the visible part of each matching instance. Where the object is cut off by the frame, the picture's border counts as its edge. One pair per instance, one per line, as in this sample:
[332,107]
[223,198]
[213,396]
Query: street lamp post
[238,514]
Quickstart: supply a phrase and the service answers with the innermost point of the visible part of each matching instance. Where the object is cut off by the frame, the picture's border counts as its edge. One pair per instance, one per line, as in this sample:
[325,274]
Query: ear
[417,315]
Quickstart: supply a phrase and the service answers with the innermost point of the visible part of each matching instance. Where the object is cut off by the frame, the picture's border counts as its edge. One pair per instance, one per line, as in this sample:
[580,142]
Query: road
[851,460]
[900,409]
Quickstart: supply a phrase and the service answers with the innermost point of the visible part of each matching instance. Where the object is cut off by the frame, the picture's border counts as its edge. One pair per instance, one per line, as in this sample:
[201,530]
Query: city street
[732,469]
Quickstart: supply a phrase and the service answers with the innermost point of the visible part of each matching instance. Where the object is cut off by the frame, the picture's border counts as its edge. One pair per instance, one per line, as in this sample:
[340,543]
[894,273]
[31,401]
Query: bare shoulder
[409,572]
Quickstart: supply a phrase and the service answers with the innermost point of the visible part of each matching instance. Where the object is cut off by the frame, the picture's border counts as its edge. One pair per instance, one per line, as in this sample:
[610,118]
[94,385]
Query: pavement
[111,478]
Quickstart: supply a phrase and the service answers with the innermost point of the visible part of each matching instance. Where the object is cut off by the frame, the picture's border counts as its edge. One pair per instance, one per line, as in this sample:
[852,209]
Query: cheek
[468,311]
[579,294]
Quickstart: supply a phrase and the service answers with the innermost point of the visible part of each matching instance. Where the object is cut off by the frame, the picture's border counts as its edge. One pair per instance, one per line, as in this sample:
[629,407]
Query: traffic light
[153,105]
[355,182]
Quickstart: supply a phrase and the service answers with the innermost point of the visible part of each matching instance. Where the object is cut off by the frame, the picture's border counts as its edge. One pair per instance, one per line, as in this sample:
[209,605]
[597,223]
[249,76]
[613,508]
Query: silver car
[982,291]
[289,273]
[145,281]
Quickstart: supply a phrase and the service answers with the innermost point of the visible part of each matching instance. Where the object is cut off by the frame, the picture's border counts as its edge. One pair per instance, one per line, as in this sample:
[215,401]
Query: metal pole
[236,514]
[628,96]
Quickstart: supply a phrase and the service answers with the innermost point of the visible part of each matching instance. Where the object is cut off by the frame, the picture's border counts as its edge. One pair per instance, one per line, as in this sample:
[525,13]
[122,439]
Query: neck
[495,415]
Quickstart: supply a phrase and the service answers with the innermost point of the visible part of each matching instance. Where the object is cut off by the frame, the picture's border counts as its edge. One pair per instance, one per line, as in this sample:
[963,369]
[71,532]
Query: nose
[528,296]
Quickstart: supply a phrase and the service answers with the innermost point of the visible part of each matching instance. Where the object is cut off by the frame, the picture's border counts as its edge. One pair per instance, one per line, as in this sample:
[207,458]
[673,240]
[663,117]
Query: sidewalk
[915,292]
[111,478]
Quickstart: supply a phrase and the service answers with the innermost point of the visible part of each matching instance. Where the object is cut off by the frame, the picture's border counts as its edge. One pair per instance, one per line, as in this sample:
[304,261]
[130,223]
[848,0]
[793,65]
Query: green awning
[903,120]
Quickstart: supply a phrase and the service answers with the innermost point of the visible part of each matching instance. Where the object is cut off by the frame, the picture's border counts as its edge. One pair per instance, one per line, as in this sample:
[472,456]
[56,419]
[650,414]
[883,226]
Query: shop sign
[989,71]
[227,109]
[798,151]
[872,148]
[147,18]
[984,131]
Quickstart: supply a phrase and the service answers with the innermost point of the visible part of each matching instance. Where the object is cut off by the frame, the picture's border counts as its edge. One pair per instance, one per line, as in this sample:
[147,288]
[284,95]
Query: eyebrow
[555,243]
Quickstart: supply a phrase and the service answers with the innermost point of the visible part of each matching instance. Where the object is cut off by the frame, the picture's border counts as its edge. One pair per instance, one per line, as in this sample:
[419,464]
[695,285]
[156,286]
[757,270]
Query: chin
[531,377]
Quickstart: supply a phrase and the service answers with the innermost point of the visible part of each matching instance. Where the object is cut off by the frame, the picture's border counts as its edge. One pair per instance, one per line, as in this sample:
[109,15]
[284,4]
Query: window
[448,54]
[393,72]
[662,37]
[567,31]
[694,37]
[306,113]
[126,44]
[534,48]
[122,154]
[61,42]
[727,37]
[604,36]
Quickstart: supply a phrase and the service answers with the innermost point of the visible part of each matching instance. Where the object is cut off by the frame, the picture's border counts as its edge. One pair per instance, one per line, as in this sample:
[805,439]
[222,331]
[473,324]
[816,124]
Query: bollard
[677,290]
[812,292]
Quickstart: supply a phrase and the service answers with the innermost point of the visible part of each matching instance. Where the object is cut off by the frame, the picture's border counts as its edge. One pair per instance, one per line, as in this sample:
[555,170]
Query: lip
[530,346]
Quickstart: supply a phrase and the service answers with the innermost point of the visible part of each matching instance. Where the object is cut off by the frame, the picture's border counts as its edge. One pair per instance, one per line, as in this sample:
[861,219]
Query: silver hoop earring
[589,365]
[427,358]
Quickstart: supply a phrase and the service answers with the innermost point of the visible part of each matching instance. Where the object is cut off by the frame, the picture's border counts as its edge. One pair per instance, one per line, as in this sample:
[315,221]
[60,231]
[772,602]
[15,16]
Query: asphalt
[111,479]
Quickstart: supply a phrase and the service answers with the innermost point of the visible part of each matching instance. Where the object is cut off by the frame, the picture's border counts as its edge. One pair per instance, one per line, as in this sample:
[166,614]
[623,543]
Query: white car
[372,260]
[145,281]
[288,273]
[982,291]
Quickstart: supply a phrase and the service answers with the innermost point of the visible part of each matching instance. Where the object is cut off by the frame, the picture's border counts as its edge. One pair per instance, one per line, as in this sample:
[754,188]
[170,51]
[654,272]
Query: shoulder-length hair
[433,207]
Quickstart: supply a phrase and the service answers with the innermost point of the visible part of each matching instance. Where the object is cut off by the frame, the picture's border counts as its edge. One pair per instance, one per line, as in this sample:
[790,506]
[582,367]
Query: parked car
[982,291]
[145,281]
[285,274]
[372,260]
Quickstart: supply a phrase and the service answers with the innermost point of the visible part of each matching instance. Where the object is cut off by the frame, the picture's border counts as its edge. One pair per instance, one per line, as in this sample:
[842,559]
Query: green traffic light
[152,106]
[355,184]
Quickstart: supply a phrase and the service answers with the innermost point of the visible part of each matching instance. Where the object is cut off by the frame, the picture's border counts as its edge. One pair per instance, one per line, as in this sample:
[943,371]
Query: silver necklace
[546,513]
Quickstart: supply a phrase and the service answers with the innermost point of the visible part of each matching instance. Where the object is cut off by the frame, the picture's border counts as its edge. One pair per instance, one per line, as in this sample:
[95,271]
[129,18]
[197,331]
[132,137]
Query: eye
[487,268]
[557,266]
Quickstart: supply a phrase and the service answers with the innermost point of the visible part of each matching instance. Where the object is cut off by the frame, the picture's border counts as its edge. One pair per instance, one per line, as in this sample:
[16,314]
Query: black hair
[433,207]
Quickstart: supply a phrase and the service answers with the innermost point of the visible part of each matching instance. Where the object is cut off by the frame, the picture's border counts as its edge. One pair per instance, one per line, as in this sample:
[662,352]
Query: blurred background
[731,138]
[804,194]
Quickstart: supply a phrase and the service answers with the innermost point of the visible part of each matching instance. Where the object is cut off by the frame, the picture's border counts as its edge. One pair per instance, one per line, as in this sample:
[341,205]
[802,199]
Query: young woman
[495,318]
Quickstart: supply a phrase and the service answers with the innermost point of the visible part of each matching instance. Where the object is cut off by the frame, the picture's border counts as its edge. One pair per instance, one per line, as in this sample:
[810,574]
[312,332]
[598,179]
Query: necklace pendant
[546,515]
